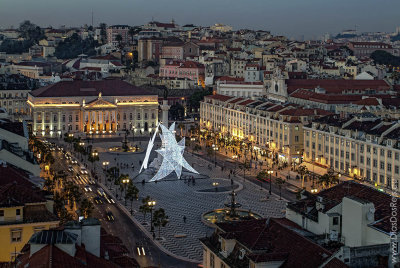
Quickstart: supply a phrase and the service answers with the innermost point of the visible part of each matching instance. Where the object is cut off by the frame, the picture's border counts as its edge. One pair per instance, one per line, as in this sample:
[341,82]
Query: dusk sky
[293,18]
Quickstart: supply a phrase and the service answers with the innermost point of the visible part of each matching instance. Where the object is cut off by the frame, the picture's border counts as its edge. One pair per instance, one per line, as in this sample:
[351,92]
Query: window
[368,149]
[396,169]
[77,118]
[361,159]
[70,118]
[307,144]
[389,167]
[63,117]
[16,235]
[138,116]
[212,261]
[382,152]
[18,212]
[374,150]
[296,138]
[352,156]
[335,221]
[375,163]
[396,156]
[347,155]
[382,164]
[1,215]
[389,154]
[381,179]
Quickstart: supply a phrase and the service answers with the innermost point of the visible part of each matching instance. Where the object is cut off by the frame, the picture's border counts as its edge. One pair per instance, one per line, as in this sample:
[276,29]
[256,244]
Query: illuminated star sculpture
[172,153]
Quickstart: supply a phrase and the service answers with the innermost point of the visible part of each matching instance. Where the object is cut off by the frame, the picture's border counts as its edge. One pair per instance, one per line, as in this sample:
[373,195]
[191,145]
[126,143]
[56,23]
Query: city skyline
[312,19]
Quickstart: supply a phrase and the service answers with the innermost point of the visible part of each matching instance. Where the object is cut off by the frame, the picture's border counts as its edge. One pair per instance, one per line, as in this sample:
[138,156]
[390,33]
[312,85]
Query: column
[34,122]
[59,121]
[43,118]
[164,118]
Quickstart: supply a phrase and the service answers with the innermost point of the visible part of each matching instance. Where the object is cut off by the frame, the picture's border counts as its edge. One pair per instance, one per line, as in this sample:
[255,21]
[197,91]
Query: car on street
[101,192]
[70,169]
[98,200]
[110,216]
[87,188]
[140,249]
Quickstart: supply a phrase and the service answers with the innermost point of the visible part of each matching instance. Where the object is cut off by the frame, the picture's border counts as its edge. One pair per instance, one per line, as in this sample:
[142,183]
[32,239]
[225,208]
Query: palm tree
[302,170]
[112,174]
[86,208]
[244,166]
[280,182]
[131,193]
[160,219]
[145,208]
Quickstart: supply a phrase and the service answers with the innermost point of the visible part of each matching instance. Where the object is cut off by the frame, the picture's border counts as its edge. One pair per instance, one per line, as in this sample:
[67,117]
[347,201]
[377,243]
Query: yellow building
[24,210]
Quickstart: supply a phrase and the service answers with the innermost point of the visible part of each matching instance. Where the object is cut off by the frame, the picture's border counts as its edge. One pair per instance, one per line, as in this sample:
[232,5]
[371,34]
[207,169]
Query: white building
[364,147]
[241,88]
[92,107]
[352,215]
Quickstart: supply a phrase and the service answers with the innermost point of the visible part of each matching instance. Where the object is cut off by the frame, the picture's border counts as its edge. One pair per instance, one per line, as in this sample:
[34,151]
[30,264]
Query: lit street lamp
[270,180]
[215,184]
[105,165]
[215,148]
[151,204]
[125,182]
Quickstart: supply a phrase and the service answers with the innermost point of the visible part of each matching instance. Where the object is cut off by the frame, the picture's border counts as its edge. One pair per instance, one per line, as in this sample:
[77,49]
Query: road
[122,226]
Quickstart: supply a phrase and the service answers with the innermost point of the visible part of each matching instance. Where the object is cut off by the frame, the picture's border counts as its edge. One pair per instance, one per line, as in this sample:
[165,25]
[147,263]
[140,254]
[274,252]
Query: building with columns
[92,107]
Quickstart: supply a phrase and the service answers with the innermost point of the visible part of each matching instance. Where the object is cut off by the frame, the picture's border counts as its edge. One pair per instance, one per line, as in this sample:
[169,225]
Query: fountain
[231,212]
[125,146]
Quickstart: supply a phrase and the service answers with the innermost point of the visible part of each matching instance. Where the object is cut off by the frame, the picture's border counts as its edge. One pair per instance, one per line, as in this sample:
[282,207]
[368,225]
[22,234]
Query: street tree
[145,208]
[280,182]
[86,208]
[160,219]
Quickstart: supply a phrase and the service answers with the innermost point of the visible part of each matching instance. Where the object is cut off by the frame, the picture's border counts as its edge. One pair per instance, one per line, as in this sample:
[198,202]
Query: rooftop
[89,88]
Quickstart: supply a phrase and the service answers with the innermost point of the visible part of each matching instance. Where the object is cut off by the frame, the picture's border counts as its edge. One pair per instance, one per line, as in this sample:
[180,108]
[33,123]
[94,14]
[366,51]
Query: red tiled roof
[335,86]
[236,100]
[219,97]
[276,239]
[106,57]
[230,78]
[50,256]
[246,102]
[10,174]
[89,88]
[368,102]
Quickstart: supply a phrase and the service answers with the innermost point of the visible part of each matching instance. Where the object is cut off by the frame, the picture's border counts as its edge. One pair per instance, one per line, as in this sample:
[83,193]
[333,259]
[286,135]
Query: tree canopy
[383,57]
[74,45]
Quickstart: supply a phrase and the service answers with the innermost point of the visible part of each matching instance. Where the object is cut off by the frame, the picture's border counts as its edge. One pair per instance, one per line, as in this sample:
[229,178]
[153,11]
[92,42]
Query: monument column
[165,107]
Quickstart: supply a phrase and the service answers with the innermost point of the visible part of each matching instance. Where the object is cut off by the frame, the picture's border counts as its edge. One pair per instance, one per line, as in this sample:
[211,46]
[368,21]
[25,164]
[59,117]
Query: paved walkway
[180,198]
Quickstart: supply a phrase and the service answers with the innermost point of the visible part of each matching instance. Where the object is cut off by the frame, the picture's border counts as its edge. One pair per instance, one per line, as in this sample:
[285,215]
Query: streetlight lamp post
[215,148]
[151,204]
[105,164]
[215,184]
[270,181]
[125,182]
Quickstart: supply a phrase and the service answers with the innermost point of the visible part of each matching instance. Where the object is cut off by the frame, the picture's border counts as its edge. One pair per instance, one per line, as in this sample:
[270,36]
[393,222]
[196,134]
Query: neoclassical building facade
[92,107]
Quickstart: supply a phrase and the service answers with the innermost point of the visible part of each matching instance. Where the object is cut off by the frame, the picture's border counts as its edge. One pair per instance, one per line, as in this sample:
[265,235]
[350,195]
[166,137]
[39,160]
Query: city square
[185,198]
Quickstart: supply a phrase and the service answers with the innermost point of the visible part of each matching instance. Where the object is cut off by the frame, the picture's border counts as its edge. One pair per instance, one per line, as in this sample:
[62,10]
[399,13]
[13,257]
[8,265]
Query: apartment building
[365,147]
[114,31]
[353,216]
[24,210]
[269,126]
[263,243]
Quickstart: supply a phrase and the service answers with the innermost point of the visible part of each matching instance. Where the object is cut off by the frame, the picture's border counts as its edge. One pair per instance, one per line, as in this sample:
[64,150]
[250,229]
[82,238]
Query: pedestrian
[276,174]
[184,219]
[154,236]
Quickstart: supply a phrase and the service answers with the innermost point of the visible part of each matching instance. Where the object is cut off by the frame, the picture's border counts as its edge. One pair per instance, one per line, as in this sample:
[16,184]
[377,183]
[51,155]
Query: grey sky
[288,17]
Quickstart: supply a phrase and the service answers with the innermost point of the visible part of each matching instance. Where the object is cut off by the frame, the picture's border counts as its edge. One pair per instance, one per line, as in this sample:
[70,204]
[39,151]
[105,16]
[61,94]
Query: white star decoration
[172,153]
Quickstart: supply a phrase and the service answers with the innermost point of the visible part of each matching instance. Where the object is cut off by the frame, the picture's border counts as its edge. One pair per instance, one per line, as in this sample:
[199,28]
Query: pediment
[100,103]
